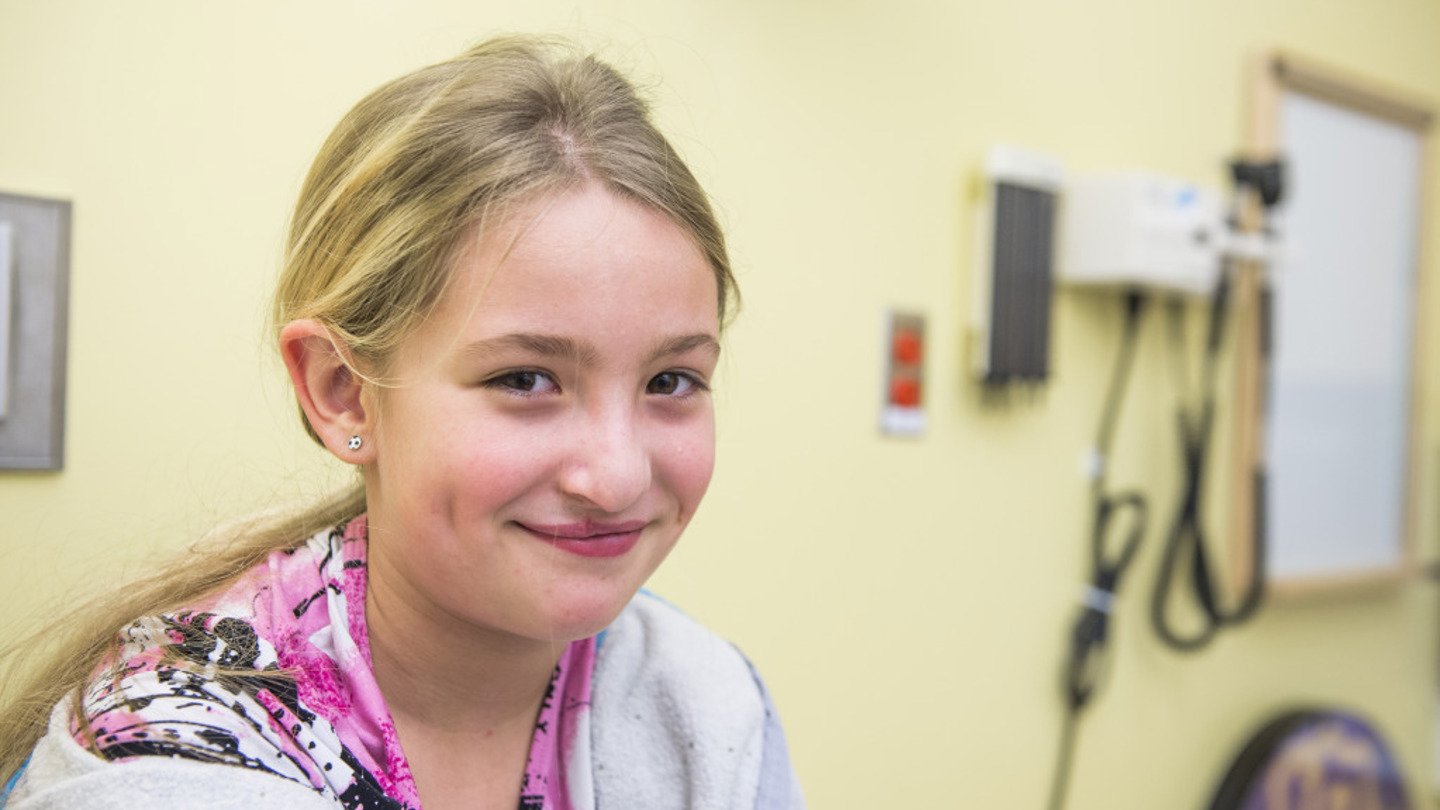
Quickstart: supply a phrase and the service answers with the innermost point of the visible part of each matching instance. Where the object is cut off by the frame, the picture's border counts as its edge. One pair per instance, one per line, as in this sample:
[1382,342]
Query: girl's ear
[330,392]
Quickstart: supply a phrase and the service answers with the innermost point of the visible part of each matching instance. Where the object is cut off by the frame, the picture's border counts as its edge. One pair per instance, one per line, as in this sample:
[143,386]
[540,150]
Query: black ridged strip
[1022,285]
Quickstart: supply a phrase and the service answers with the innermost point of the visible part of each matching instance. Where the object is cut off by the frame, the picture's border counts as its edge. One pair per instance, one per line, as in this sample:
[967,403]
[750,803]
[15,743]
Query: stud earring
[355,442]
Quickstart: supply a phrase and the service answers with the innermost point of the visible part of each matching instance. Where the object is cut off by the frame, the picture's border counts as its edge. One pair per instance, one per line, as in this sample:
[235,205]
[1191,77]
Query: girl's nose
[609,465]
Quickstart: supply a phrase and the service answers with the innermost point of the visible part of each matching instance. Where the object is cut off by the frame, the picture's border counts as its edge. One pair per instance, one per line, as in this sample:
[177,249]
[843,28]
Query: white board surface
[1339,409]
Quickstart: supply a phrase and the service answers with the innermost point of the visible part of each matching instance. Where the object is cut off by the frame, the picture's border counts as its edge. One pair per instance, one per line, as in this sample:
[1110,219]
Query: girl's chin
[584,618]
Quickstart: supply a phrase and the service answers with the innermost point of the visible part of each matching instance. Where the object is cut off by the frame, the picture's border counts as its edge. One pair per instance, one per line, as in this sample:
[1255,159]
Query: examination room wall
[906,600]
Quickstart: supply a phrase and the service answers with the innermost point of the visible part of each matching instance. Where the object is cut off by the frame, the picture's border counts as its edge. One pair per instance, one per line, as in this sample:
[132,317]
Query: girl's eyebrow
[557,346]
[583,352]
[685,343]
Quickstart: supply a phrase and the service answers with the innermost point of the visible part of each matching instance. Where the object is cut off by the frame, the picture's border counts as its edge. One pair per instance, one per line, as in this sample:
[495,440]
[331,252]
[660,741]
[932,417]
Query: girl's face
[552,432]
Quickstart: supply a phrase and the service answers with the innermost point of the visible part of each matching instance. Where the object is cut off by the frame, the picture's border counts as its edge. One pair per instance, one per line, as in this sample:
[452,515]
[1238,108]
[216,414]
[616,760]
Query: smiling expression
[551,431]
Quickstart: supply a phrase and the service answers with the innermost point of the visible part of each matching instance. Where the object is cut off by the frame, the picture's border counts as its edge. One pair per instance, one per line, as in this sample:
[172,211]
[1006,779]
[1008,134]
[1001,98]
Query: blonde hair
[413,166]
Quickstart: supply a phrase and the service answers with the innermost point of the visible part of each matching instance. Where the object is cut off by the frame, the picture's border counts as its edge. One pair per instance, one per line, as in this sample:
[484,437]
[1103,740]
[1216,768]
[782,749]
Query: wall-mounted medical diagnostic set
[1146,237]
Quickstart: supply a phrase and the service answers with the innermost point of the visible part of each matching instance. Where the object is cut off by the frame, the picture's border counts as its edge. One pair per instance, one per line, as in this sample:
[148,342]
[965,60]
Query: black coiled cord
[1089,637]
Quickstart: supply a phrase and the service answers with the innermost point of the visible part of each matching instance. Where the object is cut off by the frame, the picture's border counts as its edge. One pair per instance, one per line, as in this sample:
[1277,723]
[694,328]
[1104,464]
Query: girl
[502,301]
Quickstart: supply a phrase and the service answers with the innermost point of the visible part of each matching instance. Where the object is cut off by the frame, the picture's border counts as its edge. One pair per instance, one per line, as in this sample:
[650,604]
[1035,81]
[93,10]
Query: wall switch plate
[902,411]
[7,306]
[35,313]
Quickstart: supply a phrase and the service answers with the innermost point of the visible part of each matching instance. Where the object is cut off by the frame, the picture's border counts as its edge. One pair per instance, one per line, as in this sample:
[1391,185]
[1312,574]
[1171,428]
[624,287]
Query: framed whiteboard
[1330,414]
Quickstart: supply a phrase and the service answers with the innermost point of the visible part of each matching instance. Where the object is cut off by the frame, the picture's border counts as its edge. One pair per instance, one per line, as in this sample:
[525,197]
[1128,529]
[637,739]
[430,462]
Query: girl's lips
[588,538]
[583,529]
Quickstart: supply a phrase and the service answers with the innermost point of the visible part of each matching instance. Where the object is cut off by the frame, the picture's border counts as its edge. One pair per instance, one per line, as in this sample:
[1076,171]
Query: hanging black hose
[1090,636]
[1186,539]
[1265,181]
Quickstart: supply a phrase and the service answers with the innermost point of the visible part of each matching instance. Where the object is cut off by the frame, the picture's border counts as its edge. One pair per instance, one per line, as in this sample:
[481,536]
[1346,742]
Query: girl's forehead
[589,238]
[584,258]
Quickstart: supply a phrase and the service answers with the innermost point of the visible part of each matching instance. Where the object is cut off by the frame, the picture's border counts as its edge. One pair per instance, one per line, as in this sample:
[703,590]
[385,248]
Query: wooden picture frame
[1285,84]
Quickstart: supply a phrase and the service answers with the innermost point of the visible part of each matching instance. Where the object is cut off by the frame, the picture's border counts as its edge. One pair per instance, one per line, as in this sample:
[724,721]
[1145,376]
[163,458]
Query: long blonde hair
[410,168]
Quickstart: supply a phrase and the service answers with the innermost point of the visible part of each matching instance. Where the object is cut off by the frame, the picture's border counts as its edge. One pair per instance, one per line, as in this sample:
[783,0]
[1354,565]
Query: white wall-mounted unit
[1139,229]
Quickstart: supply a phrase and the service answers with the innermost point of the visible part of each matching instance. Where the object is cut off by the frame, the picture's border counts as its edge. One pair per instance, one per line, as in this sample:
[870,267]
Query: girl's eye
[674,384]
[526,383]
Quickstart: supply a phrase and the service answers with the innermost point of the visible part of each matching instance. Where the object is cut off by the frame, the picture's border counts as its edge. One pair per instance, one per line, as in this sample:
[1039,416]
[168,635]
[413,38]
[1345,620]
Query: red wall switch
[902,413]
[907,347]
[905,392]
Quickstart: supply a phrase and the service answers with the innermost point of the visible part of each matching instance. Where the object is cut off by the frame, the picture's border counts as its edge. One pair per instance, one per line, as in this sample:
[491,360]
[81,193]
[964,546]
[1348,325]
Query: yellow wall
[906,599]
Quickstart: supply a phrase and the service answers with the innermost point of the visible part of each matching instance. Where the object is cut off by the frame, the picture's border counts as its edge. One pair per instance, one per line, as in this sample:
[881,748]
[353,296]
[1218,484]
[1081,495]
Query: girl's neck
[445,674]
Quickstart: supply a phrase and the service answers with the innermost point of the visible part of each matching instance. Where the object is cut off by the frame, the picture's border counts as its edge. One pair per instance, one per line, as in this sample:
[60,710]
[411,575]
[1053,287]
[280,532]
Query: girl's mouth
[588,538]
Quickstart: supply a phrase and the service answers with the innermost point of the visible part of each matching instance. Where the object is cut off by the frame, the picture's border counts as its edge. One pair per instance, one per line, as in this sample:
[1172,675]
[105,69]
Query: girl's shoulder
[654,641]
[265,676]
[61,774]
[673,695]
